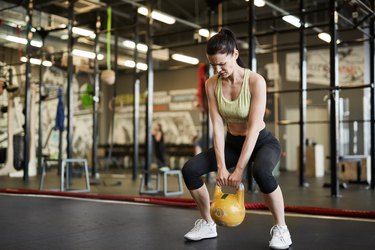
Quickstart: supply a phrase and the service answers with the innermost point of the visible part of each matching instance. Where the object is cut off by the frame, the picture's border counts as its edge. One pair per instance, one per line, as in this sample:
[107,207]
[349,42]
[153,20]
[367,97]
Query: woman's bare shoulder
[257,83]
[211,82]
[255,77]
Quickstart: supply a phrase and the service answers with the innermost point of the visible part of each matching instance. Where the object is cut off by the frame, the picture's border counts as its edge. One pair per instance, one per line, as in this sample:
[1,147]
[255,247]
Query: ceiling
[180,37]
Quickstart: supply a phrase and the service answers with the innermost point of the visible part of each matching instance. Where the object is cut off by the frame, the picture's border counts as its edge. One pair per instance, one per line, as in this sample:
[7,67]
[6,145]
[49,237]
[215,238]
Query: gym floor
[119,182]
[48,222]
[34,222]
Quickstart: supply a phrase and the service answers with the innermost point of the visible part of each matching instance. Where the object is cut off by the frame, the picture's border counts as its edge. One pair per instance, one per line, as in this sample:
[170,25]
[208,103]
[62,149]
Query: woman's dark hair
[223,42]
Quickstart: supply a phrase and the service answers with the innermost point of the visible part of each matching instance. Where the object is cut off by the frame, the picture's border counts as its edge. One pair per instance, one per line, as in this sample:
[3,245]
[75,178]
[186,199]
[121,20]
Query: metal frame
[334,96]
[70,89]
[26,139]
[253,66]
[95,98]
[252,37]
[165,191]
[372,80]
[150,92]
[136,99]
[65,163]
[334,99]
[303,96]
[334,87]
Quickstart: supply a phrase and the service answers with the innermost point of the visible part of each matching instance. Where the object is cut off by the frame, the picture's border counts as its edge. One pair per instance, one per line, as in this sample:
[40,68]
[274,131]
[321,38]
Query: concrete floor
[120,182]
[40,222]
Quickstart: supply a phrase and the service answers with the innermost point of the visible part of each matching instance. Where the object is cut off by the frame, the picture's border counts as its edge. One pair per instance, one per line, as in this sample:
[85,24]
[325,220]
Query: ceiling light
[206,33]
[37,61]
[100,57]
[16,39]
[47,63]
[142,66]
[185,59]
[157,15]
[140,46]
[131,64]
[83,32]
[292,20]
[83,53]
[129,44]
[64,37]
[80,32]
[35,43]
[258,3]
[86,54]
[143,11]
[20,40]
[325,37]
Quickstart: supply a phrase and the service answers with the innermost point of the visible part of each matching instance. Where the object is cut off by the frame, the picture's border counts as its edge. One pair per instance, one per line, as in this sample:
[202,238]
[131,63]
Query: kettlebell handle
[240,192]
[241,187]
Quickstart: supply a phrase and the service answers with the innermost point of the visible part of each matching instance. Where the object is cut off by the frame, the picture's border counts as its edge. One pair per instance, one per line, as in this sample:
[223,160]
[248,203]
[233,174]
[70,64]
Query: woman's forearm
[247,148]
[219,142]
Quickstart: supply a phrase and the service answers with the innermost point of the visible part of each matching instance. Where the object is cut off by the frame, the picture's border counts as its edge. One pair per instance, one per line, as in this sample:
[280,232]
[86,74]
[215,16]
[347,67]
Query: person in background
[2,86]
[237,103]
[158,144]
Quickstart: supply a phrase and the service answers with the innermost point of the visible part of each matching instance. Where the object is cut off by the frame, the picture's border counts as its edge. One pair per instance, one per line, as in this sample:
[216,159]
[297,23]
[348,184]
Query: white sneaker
[202,230]
[280,237]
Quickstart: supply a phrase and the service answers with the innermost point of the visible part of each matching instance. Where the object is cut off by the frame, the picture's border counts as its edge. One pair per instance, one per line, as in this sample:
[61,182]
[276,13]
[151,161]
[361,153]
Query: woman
[237,99]
[159,147]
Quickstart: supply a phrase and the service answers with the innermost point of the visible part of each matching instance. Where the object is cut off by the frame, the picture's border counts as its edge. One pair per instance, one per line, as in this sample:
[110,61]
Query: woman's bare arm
[218,132]
[255,124]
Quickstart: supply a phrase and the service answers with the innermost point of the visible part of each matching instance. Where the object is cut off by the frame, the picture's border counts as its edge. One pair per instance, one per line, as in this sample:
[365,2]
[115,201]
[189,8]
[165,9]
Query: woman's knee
[264,178]
[188,169]
[191,176]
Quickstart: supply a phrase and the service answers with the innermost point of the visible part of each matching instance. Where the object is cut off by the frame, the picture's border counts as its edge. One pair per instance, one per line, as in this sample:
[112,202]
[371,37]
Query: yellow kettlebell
[228,209]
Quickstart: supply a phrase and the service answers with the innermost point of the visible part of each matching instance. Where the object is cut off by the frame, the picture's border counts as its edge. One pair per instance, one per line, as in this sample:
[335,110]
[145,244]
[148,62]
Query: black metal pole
[40,112]
[372,82]
[205,114]
[252,30]
[70,94]
[334,99]
[136,90]
[113,103]
[26,139]
[61,133]
[303,96]
[253,67]
[207,127]
[95,99]
[150,91]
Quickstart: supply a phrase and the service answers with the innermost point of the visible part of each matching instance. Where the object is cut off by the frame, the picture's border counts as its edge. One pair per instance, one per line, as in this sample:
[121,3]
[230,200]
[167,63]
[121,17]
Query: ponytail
[224,42]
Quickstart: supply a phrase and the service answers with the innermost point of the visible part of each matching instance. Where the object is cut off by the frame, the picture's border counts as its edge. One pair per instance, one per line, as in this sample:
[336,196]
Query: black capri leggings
[265,156]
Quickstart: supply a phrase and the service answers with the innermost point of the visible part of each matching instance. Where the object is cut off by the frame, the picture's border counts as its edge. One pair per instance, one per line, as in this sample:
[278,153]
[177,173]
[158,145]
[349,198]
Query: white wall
[318,133]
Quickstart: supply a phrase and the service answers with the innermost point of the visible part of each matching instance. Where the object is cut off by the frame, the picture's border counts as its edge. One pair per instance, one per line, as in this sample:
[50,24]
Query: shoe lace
[198,225]
[276,231]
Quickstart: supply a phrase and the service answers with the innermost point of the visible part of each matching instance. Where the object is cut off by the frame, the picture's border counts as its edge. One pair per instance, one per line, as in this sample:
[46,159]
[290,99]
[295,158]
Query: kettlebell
[228,209]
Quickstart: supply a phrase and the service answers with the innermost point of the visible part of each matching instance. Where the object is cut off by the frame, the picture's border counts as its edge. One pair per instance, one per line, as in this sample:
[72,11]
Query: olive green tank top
[235,111]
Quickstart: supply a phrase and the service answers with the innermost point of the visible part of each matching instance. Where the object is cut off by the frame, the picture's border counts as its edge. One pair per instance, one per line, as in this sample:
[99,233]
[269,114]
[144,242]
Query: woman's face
[223,64]
[157,127]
